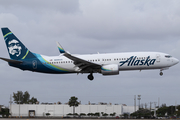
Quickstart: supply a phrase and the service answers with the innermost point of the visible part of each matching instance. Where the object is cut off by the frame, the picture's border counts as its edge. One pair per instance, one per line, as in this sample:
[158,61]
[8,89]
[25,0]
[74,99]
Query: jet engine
[112,69]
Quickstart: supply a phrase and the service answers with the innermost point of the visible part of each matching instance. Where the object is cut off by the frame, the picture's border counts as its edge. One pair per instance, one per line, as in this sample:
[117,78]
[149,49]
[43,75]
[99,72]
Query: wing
[83,65]
[11,61]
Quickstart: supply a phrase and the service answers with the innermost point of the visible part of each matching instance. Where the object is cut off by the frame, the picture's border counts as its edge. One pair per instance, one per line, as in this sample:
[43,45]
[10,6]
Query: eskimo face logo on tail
[14,47]
[132,61]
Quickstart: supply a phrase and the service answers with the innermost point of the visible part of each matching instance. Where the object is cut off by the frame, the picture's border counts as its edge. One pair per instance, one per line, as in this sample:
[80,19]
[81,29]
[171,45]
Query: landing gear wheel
[161,73]
[90,77]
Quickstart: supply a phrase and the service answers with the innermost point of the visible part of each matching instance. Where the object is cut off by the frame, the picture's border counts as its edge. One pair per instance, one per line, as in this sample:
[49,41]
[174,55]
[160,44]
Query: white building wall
[63,110]
[129,109]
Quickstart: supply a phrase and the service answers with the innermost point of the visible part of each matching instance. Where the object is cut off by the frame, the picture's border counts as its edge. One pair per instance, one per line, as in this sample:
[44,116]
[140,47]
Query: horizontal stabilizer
[11,61]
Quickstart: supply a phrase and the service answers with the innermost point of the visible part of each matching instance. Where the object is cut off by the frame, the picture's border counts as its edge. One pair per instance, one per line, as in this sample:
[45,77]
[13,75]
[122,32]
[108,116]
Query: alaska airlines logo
[132,61]
[14,47]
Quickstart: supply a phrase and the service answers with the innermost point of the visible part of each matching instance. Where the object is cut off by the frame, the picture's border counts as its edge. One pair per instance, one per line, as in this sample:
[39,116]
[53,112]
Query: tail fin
[15,47]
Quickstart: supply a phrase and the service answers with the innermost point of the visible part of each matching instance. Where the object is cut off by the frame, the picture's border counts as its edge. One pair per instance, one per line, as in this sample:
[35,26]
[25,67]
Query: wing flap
[80,61]
[83,64]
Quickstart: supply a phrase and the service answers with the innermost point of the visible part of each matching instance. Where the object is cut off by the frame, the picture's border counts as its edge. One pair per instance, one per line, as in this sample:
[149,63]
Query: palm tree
[73,102]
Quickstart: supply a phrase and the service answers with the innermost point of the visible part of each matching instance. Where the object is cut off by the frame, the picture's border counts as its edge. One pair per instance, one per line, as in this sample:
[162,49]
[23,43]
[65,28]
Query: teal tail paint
[15,47]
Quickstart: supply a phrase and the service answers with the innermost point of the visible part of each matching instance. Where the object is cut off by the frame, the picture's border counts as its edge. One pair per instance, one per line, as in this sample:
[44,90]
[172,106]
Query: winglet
[61,50]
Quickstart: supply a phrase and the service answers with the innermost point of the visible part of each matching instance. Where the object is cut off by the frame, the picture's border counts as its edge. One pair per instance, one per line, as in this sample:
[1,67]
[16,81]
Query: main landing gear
[90,76]
[161,73]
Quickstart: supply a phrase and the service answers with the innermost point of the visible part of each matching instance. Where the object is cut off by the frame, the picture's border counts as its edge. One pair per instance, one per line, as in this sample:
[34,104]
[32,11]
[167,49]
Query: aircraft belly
[67,67]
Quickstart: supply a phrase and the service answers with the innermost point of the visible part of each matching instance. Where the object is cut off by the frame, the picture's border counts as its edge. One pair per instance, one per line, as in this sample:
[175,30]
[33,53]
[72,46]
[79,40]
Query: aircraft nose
[176,61]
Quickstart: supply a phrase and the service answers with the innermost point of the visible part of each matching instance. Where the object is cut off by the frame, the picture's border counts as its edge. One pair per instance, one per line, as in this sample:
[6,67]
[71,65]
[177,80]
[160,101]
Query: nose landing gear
[90,76]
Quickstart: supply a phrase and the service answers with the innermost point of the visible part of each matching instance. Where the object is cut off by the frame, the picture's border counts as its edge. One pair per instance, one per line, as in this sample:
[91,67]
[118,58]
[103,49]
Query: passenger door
[158,58]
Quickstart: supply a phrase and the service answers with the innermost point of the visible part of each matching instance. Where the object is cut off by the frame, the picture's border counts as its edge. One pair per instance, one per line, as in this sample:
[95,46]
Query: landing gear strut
[90,76]
[161,73]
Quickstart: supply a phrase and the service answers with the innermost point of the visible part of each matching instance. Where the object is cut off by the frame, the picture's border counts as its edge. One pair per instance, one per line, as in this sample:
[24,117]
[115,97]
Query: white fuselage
[125,61]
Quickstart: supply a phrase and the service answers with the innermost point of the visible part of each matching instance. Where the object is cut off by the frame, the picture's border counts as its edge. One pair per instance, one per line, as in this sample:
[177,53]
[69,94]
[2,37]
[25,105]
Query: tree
[23,98]
[113,114]
[18,97]
[142,113]
[102,113]
[48,114]
[73,102]
[82,114]
[5,112]
[26,97]
[97,114]
[125,115]
[105,114]
[89,114]
[162,111]
[69,114]
[33,100]
[178,110]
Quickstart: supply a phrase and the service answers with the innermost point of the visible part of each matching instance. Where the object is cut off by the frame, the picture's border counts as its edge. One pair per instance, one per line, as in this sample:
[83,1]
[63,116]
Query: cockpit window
[168,56]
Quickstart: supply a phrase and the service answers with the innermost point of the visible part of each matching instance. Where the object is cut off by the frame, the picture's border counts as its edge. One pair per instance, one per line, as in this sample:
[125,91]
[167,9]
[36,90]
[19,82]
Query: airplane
[105,64]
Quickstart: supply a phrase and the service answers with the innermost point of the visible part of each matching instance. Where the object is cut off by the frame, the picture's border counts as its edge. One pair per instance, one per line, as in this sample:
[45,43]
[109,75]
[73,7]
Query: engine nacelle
[112,69]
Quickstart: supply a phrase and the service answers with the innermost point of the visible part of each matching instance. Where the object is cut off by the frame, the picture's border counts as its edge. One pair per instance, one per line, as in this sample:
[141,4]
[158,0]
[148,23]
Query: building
[39,110]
